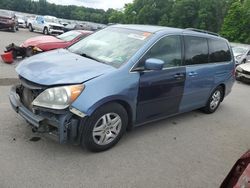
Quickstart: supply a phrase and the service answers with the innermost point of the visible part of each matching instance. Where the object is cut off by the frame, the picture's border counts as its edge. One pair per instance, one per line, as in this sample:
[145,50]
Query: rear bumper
[64,126]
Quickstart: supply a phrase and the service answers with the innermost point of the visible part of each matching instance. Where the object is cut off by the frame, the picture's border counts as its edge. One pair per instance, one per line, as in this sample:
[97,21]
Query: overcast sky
[102,4]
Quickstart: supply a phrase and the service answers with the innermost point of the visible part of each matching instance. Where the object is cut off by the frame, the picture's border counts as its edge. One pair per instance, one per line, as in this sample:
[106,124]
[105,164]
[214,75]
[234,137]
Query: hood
[5,17]
[35,41]
[60,67]
[21,20]
[55,24]
[245,67]
[237,54]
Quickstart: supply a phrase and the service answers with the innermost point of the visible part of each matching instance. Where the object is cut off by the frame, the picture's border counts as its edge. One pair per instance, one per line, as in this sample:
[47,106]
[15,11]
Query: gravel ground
[189,150]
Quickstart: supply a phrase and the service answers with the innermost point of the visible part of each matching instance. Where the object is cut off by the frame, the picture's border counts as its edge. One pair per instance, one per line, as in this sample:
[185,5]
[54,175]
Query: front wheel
[14,29]
[31,28]
[45,31]
[214,101]
[104,128]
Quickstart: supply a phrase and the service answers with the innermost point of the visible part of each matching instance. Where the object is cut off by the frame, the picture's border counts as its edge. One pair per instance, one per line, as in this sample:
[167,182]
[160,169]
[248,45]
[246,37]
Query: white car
[21,23]
[243,72]
[46,24]
[241,55]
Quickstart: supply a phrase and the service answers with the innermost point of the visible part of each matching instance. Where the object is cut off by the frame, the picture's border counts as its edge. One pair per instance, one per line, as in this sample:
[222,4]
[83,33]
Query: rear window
[69,36]
[219,51]
[196,50]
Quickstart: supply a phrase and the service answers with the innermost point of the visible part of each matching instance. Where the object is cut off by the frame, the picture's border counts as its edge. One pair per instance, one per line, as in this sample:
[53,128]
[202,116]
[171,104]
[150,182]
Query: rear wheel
[104,128]
[214,101]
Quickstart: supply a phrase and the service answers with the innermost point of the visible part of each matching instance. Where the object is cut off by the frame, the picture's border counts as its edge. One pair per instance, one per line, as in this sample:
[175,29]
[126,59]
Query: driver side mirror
[154,64]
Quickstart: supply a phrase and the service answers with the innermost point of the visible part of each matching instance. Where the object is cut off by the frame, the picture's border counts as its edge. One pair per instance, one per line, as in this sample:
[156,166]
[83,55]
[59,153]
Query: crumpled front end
[61,124]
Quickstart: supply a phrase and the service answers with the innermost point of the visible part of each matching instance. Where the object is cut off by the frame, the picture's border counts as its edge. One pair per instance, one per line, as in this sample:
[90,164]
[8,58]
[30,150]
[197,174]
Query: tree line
[230,18]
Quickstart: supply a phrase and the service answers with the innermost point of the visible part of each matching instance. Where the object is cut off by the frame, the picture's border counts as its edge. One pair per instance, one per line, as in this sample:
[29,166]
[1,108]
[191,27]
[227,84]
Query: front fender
[116,86]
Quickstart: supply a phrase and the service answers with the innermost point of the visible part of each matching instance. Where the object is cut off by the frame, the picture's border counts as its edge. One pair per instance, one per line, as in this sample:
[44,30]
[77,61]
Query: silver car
[241,54]
[243,72]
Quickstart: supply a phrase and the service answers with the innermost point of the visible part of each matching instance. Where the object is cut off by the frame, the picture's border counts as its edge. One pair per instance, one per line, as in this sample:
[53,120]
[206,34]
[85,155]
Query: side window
[196,50]
[219,51]
[167,49]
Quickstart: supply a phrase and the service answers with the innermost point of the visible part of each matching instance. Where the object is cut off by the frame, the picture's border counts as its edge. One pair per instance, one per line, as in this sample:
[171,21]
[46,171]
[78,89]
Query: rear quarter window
[196,50]
[218,51]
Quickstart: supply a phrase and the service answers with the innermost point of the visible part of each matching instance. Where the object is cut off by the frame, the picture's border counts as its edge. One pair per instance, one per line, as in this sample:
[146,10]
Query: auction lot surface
[190,150]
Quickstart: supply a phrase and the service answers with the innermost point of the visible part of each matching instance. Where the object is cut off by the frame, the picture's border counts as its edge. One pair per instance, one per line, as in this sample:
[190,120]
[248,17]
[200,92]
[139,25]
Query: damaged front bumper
[63,125]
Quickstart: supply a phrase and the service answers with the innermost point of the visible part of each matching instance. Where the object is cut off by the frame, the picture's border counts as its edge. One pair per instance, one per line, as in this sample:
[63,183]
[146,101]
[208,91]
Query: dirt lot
[190,150]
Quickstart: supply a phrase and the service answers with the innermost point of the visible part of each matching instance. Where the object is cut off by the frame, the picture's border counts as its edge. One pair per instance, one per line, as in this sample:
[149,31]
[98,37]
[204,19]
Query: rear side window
[196,50]
[219,51]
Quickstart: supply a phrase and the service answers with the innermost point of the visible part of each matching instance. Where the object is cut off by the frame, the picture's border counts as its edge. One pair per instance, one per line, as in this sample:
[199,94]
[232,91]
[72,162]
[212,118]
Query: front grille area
[3,20]
[246,72]
[56,28]
[28,91]
[27,95]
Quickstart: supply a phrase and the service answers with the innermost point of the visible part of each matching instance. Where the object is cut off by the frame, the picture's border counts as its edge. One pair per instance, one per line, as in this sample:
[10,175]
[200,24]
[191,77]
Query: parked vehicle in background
[45,43]
[76,26]
[8,20]
[121,77]
[46,24]
[21,22]
[243,72]
[241,54]
[29,20]
[63,23]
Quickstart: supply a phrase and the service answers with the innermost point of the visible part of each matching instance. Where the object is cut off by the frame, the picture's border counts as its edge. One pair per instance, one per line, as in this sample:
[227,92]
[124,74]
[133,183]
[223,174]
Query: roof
[155,29]
[147,28]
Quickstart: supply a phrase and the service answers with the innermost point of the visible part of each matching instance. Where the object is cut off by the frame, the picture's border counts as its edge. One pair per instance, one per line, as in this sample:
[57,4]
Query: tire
[45,31]
[244,61]
[214,101]
[13,29]
[104,128]
[31,28]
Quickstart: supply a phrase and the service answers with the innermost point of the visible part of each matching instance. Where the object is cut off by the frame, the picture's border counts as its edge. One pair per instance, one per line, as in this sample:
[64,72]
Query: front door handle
[192,74]
[179,76]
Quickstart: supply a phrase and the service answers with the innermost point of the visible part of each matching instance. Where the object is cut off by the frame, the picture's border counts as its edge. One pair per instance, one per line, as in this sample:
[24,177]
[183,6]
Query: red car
[46,43]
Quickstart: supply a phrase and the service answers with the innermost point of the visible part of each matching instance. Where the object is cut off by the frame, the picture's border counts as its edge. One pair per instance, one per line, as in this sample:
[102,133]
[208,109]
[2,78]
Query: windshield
[69,36]
[112,46]
[239,50]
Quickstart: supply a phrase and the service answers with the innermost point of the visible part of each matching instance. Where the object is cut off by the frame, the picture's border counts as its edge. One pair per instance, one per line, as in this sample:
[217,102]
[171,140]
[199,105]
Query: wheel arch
[223,86]
[124,103]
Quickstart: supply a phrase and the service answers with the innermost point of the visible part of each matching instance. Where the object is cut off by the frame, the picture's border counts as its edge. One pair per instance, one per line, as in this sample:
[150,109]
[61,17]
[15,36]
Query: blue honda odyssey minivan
[121,77]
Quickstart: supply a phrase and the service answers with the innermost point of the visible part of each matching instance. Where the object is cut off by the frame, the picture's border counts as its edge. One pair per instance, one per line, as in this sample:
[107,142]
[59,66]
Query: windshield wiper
[90,57]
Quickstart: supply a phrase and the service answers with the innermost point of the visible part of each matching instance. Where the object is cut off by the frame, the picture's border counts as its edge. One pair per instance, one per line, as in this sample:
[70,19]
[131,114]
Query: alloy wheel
[215,100]
[107,128]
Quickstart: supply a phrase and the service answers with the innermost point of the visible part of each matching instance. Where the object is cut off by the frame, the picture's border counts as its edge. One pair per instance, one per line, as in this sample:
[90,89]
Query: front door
[160,92]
